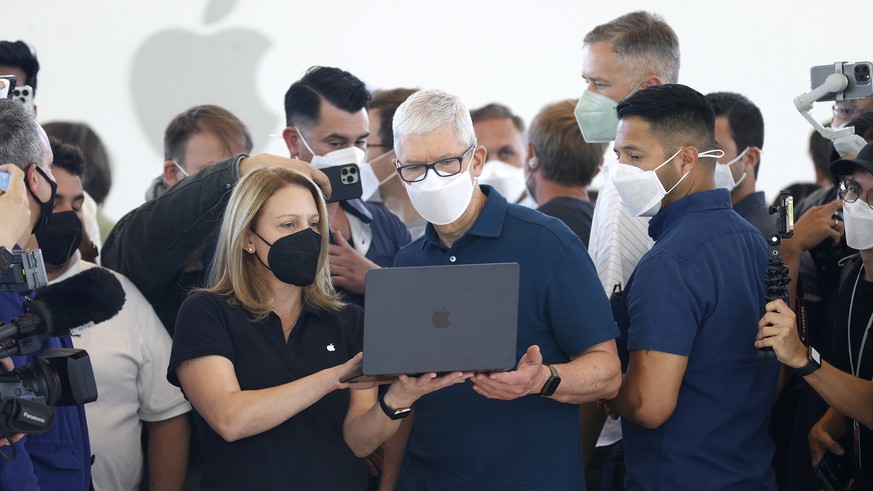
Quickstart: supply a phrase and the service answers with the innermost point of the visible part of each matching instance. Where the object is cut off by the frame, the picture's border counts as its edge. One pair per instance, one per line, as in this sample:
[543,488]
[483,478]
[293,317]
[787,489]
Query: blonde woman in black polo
[260,353]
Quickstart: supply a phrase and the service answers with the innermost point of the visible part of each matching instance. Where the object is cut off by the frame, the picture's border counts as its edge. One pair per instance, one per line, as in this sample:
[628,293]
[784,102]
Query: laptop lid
[440,319]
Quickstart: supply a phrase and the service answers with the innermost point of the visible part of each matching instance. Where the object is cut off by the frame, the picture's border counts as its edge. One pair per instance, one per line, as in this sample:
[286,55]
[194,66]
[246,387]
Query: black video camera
[57,377]
[26,272]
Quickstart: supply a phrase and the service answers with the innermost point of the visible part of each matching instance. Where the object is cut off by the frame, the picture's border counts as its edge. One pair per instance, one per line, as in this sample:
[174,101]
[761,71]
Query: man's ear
[31,177]
[689,159]
[532,163]
[477,161]
[292,141]
[751,160]
[171,173]
[651,80]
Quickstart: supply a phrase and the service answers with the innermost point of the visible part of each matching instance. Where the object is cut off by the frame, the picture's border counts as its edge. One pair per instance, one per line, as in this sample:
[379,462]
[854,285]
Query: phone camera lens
[25,92]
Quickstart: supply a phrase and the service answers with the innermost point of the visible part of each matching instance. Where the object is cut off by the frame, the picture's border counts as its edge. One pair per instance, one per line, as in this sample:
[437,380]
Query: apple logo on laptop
[441,319]
[331,347]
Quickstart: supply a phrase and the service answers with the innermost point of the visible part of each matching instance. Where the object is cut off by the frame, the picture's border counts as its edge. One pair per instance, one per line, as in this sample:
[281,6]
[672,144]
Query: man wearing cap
[844,381]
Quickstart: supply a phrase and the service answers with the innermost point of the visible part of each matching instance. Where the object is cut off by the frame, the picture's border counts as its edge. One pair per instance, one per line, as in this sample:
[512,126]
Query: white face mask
[441,200]
[724,178]
[642,191]
[858,220]
[507,179]
[370,182]
[343,156]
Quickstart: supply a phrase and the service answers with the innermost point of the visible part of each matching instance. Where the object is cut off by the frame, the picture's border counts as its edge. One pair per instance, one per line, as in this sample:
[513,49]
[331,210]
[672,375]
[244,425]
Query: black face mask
[293,259]
[60,239]
[45,209]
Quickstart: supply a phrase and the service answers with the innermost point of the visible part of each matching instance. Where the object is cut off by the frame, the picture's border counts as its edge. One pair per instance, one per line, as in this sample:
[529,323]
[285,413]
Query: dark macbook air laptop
[439,319]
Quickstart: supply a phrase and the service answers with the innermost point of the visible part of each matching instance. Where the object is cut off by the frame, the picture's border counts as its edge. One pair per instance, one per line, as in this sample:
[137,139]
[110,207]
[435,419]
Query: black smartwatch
[393,414]
[551,384]
[6,258]
[813,363]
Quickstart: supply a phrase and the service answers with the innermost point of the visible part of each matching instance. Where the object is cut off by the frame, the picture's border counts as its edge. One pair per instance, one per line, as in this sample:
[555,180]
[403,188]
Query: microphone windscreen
[94,295]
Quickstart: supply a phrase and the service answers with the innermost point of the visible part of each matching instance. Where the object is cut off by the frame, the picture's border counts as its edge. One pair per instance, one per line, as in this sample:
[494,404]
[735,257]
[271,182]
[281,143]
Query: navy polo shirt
[699,293]
[461,440]
[308,450]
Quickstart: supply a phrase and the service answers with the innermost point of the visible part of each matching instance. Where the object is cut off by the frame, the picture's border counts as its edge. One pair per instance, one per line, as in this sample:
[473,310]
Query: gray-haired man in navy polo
[518,429]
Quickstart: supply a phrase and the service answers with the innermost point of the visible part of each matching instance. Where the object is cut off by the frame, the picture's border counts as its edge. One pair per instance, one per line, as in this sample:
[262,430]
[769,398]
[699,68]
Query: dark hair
[679,115]
[338,87]
[562,154]
[19,54]
[387,102]
[97,181]
[227,127]
[820,152]
[67,157]
[20,142]
[496,111]
[744,119]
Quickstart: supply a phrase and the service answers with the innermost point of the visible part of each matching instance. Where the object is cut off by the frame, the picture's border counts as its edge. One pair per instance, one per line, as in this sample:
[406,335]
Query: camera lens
[862,74]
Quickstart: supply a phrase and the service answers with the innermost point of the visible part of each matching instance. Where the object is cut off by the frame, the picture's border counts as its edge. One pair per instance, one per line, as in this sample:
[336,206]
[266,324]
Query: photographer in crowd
[844,383]
[60,458]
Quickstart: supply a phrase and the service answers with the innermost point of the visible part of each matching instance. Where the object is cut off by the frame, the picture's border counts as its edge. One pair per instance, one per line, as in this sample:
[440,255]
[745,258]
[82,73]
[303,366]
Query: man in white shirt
[630,53]
[129,354]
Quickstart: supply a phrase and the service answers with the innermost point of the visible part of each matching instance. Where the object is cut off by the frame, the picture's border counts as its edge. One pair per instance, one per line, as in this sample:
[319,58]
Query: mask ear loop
[380,157]
[300,135]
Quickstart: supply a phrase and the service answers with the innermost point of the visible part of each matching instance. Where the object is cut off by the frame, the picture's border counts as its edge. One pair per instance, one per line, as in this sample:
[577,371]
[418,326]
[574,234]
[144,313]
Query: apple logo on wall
[176,69]
[440,319]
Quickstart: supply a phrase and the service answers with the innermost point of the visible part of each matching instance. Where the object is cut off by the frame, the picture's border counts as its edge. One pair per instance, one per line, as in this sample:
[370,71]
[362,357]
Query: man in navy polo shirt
[695,403]
[518,429]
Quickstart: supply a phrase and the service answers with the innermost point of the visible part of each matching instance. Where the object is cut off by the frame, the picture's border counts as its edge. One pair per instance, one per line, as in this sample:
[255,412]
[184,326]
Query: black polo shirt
[308,450]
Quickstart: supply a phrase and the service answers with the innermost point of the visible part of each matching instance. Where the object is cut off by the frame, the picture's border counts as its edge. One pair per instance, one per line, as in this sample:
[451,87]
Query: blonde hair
[233,274]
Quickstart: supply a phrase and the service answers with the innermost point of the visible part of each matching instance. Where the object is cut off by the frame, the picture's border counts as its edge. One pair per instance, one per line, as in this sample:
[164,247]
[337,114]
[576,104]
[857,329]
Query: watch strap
[552,382]
[393,414]
[813,363]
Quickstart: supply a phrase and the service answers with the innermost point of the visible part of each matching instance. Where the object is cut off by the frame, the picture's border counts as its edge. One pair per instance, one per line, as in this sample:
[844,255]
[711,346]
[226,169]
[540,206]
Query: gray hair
[643,44]
[430,109]
[20,141]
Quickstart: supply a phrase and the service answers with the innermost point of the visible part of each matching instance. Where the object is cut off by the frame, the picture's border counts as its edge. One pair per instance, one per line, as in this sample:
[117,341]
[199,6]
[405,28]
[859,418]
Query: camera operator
[59,459]
[845,384]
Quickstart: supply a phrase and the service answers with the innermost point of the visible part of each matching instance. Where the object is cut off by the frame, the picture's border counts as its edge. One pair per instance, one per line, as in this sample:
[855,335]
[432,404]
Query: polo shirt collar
[310,309]
[670,216]
[489,223]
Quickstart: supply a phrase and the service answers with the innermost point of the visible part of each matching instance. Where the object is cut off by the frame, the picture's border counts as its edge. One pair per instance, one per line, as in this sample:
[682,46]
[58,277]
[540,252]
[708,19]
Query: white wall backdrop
[125,67]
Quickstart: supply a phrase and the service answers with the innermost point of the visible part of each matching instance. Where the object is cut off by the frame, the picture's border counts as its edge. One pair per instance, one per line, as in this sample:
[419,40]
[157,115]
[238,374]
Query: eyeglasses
[443,168]
[850,191]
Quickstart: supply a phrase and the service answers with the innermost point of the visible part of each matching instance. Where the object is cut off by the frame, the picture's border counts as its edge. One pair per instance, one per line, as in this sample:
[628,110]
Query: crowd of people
[650,354]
